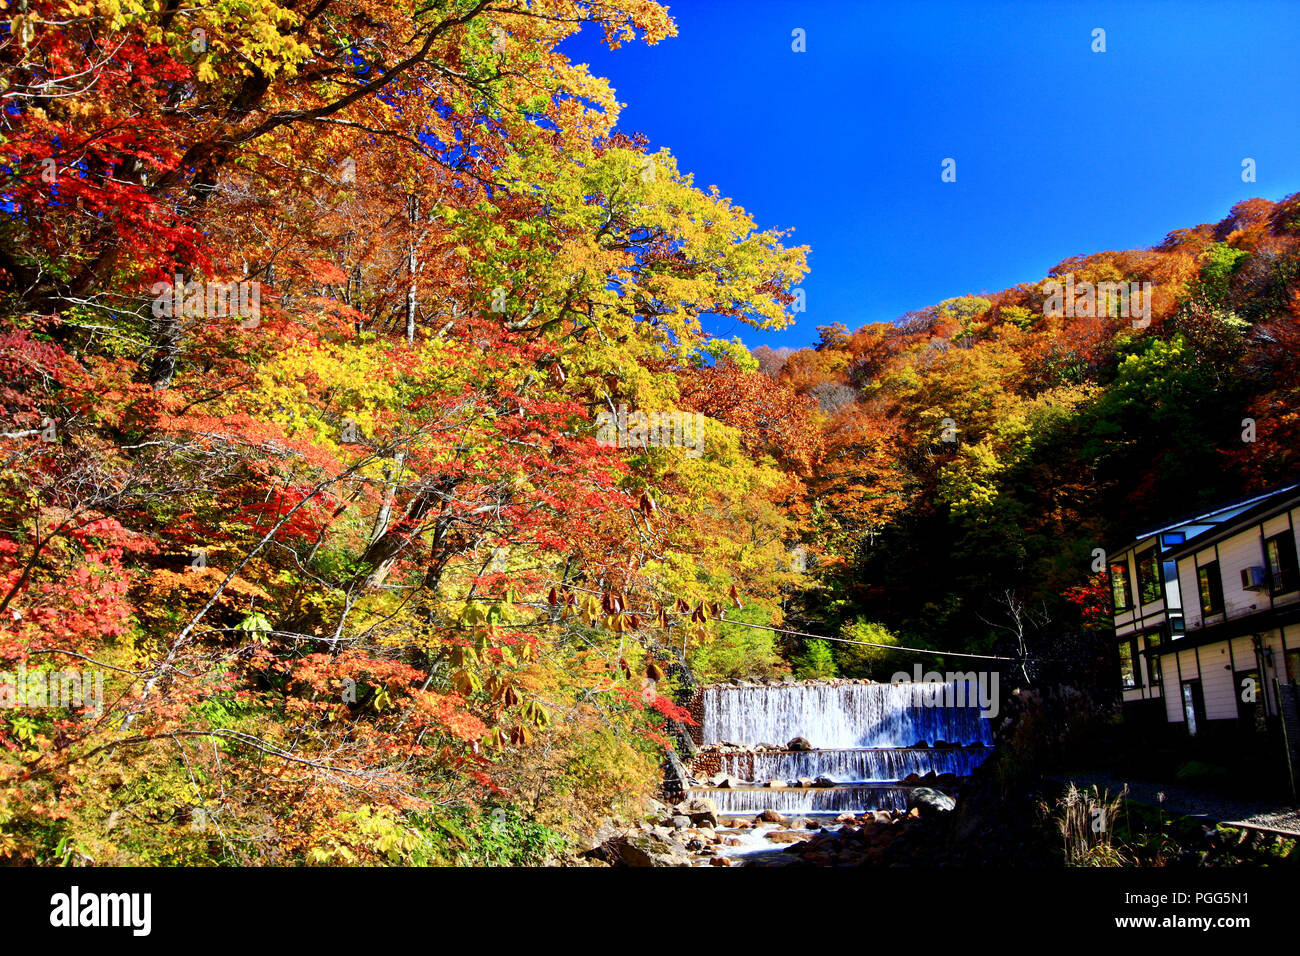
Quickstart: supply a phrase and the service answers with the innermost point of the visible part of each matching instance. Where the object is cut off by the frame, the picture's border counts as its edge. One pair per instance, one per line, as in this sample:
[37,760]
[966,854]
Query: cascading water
[842,715]
[870,741]
[848,766]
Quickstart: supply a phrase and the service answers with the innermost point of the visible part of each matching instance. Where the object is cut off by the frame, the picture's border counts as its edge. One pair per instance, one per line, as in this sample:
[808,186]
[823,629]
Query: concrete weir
[855,746]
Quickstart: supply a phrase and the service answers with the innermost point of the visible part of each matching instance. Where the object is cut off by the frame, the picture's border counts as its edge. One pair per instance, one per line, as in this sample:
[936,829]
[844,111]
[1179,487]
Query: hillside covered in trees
[328,330]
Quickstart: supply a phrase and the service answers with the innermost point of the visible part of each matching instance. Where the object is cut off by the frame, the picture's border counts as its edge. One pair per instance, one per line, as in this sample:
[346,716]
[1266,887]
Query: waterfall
[870,742]
[852,766]
[841,716]
[816,800]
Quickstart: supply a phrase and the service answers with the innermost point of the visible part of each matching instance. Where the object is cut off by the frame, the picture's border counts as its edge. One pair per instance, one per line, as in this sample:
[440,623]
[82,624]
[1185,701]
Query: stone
[593,841]
[823,781]
[646,849]
[926,802]
[804,782]
[719,861]
[770,816]
[798,743]
[789,836]
[776,784]
[680,822]
[701,810]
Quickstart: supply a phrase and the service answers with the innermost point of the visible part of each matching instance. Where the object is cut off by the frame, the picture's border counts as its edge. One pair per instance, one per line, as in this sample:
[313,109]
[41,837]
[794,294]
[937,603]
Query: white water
[850,766]
[865,739]
[834,716]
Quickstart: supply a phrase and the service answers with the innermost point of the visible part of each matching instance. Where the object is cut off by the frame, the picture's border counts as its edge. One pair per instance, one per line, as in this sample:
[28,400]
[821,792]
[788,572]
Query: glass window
[1293,667]
[1148,576]
[1119,587]
[1153,660]
[1211,588]
[1190,705]
[1126,672]
[1283,572]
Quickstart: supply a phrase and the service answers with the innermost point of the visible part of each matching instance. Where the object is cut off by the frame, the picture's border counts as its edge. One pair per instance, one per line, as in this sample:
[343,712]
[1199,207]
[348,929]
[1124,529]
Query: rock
[789,836]
[776,784]
[823,781]
[594,841]
[812,824]
[646,849]
[680,822]
[804,782]
[719,861]
[926,802]
[911,778]
[701,810]
[845,818]
[770,816]
[799,743]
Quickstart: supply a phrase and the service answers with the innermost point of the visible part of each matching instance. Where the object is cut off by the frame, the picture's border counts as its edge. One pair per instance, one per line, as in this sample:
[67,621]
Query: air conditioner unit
[1254,579]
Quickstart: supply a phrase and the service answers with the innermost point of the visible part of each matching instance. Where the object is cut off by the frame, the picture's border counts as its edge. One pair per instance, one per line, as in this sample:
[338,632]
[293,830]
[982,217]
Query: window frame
[1129,644]
[1122,567]
[1154,671]
[1214,578]
[1150,554]
[1286,577]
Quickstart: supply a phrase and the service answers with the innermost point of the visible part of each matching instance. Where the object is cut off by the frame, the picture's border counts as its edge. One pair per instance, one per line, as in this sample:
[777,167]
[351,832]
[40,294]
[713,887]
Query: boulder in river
[646,849]
[701,810]
[823,781]
[928,802]
[771,816]
[799,743]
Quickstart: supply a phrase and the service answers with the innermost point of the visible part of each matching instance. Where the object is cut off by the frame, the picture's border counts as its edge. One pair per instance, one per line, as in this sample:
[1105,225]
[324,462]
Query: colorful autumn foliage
[355,569]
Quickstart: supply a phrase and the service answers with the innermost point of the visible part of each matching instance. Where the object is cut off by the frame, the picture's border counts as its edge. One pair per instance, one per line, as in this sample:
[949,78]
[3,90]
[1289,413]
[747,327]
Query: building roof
[1218,516]
[1265,506]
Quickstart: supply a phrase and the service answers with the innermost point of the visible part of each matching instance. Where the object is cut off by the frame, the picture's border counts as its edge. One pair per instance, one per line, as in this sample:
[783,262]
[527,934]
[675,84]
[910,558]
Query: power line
[841,640]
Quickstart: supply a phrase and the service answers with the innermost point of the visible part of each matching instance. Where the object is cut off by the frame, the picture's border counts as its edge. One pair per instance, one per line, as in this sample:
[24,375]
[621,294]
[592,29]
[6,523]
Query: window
[1148,576]
[1211,588]
[1153,659]
[1120,592]
[1293,667]
[1283,570]
[1127,672]
[1193,704]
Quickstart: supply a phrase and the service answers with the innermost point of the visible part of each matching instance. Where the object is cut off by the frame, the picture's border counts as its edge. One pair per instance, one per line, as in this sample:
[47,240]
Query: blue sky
[1060,150]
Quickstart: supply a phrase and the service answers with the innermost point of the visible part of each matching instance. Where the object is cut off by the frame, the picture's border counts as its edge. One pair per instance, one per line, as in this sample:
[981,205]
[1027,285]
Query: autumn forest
[363,436]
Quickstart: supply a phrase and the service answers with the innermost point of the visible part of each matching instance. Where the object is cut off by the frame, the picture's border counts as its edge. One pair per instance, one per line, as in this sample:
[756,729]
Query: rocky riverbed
[693,833]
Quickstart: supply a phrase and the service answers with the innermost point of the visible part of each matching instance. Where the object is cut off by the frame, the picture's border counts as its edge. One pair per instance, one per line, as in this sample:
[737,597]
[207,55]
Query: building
[1207,618]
